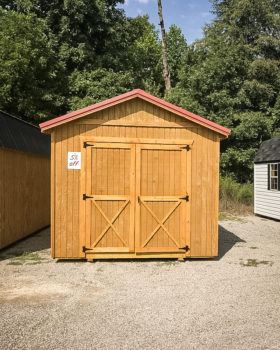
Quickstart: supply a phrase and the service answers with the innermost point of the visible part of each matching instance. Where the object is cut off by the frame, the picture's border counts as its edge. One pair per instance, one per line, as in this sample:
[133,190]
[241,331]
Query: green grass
[224,216]
[236,198]
[27,258]
[255,263]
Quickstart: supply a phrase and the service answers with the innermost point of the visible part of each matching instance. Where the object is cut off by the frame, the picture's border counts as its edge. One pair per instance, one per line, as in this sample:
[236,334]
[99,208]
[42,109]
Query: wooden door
[110,195]
[162,203]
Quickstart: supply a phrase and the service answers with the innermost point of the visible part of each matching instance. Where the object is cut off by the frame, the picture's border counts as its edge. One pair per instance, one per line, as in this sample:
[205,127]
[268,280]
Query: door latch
[186,147]
[185,198]
[85,197]
[87,144]
[186,248]
[85,249]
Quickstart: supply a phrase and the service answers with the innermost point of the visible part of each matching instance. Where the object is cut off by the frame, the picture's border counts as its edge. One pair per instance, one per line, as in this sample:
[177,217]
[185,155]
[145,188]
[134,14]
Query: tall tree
[176,49]
[232,76]
[166,73]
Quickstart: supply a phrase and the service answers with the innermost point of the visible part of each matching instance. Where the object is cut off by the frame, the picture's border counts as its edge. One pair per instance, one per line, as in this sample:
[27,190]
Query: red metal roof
[127,96]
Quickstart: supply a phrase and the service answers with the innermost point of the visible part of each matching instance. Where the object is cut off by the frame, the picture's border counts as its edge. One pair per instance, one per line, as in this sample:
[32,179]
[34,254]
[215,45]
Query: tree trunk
[166,73]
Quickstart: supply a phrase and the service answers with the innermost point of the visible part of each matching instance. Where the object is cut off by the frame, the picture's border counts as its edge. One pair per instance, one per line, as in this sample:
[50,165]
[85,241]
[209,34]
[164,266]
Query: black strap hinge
[85,197]
[86,249]
[188,147]
[186,248]
[187,198]
[87,145]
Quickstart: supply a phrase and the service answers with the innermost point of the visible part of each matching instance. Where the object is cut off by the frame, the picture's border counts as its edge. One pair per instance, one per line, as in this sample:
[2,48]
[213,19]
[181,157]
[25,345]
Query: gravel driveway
[232,302]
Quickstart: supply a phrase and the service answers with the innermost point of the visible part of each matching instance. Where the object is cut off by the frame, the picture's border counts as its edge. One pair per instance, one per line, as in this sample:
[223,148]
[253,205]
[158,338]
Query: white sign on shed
[74,160]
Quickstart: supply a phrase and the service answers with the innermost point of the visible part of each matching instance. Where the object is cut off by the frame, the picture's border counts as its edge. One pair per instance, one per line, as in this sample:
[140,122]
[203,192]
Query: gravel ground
[232,302]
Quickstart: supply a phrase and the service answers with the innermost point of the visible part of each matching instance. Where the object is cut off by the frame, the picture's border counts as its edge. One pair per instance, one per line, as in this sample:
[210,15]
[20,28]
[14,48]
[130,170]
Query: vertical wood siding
[24,194]
[266,202]
[68,232]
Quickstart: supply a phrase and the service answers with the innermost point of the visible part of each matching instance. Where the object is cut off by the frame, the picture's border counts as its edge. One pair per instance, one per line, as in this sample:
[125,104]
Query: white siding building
[267,179]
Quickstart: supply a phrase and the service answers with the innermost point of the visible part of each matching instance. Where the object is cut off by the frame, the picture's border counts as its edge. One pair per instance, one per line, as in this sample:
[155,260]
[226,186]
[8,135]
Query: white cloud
[126,2]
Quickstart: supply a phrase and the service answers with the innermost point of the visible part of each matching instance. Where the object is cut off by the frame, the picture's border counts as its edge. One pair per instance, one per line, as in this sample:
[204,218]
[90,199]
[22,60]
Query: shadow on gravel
[227,240]
[36,242]
[41,241]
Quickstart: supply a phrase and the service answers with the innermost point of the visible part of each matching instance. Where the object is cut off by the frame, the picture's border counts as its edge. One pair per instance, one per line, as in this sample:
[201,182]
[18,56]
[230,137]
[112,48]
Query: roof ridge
[19,119]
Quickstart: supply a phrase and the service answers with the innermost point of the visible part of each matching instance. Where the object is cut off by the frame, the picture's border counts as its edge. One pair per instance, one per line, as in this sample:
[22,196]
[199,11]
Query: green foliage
[83,28]
[28,67]
[176,49]
[143,56]
[231,76]
[232,191]
[61,45]
[87,88]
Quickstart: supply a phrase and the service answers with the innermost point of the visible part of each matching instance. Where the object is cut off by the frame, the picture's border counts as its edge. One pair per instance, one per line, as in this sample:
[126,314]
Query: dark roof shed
[22,136]
[269,151]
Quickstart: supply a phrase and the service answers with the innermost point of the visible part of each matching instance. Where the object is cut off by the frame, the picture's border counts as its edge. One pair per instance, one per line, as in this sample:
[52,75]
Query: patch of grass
[34,263]
[255,263]
[236,198]
[223,216]
[15,263]
[27,257]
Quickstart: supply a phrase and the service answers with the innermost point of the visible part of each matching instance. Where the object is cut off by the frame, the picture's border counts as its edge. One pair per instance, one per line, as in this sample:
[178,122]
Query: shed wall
[24,194]
[134,119]
[266,202]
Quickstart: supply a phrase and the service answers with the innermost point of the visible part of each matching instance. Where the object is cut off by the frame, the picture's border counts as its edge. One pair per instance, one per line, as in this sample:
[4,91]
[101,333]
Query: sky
[189,15]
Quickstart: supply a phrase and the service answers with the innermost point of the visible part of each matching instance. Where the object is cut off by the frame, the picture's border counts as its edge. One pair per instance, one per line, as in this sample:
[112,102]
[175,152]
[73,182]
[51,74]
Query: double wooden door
[136,198]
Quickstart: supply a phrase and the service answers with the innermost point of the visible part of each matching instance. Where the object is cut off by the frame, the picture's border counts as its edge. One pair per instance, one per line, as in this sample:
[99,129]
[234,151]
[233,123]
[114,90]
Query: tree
[166,72]
[177,47]
[90,36]
[28,68]
[231,76]
[89,87]
[83,28]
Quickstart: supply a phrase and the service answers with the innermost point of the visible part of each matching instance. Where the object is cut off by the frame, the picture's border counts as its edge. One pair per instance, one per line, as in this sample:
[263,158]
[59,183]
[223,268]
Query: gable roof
[269,151]
[127,96]
[19,135]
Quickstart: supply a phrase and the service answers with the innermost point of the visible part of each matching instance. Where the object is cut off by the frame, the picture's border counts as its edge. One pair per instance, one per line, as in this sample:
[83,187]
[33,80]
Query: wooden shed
[24,179]
[267,179]
[134,177]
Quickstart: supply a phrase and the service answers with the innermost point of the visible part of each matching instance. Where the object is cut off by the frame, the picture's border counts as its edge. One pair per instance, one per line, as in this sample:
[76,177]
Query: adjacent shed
[267,179]
[134,177]
[24,179]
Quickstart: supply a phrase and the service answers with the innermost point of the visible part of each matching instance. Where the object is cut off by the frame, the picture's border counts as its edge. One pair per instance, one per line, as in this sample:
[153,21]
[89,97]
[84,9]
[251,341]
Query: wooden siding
[266,202]
[151,122]
[24,194]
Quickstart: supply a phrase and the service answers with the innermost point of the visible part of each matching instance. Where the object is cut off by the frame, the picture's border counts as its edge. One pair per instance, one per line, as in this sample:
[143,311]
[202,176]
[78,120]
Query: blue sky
[189,15]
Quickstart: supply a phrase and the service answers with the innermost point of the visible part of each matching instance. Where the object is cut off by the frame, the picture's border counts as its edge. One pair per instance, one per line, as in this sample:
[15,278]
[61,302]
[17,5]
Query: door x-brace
[160,223]
[110,223]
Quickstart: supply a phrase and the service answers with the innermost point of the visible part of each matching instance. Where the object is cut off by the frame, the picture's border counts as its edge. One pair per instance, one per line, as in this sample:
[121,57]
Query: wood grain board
[24,194]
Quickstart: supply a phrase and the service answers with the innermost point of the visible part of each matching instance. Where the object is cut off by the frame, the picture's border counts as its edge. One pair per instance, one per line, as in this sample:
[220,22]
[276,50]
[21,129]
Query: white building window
[273,176]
